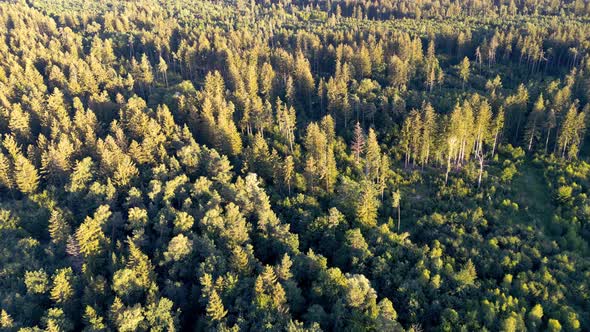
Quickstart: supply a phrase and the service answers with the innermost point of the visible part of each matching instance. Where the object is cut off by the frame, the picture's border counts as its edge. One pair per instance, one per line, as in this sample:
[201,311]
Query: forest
[294,165]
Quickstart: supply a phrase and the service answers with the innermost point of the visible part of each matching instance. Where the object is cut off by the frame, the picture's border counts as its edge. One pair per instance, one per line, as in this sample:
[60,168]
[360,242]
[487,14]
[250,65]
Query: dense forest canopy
[294,165]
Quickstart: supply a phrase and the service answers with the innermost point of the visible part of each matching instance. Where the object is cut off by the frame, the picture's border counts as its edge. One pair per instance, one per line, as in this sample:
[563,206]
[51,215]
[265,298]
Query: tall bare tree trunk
[481,160]
[399,218]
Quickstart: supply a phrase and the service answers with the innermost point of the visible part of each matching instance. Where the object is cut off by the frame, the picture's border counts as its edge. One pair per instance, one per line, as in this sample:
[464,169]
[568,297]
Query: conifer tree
[146,71]
[320,152]
[483,125]
[498,127]
[396,201]
[452,144]
[286,120]
[415,127]
[26,176]
[386,320]
[432,67]
[384,173]
[37,282]
[163,70]
[90,236]
[59,230]
[218,127]
[372,156]
[288,172]
[549,124]
[19,122]
[398,72]
[6,321]
[428,133]
[406,139]
[303,78]
[358,142]
[367,205]
[81,175]
[464,71]
[267,76]
[6,176]
[571,133]
[94,322]
[62,290]
[215,309]
[532,130]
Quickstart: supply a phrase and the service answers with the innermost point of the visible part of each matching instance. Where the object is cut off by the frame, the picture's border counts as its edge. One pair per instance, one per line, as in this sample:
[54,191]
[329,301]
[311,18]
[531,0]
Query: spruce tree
[26,176]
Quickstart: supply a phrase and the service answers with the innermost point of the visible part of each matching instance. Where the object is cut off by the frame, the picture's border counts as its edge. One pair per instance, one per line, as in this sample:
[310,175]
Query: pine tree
[498,127]
[532,130]
[466,276]
[269,295]
[19,122]
[535,315]
[367,205]
[56,321]
[240,260]
[320,153]
[217,115]
[358,142]
[161,316]
[283,270]
[311,170]
[428,133]
[384,173]
[59,230]
[432,67]
[483,125]
[578,135]
[163,70]
[372,156]
[25,173]
[386,320]
[6,176]
[464,130]
[363,63]
[406,139]
[94,322]
[81,175]
[550,123]
[6,322]
[398,72]
[517,107]
[267,76]
[90,236]
[415,127]
[286,120]
[452,144]
[288,172]
[303,78]
[337,93]
[37,282]
[290,91]
[567,132]
[62,290]
[464,70]
[146,72]
[395,201]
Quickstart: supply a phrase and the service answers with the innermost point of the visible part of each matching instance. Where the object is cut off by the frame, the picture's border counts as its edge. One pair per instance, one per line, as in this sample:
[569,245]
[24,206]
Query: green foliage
[62,289]
[37,282]
[294,165]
